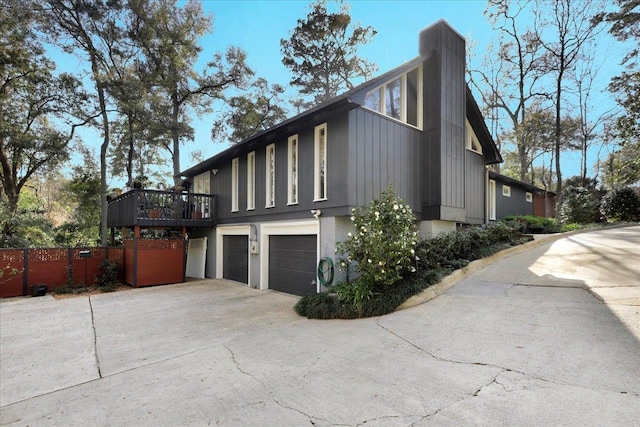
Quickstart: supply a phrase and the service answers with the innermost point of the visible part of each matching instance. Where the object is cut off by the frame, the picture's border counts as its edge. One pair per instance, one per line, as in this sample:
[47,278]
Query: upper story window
[270,176]
[235,175]
[292,180]
[472,142]
[506,191]
[251,181]
[202,185]
[320,163]
[400,98]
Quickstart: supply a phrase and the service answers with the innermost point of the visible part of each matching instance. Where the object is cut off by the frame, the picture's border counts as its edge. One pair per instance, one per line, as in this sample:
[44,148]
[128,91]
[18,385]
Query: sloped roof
[349,100]
[511,181]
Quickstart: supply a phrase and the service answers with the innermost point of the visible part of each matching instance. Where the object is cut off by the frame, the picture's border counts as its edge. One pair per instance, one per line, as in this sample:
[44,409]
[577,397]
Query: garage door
[292,264]
[235,258]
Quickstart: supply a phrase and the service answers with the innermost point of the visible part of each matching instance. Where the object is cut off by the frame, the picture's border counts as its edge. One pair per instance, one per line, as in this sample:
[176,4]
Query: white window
[292,180]
[320,163]
[506,191]
[202,185]
[235,174]
[472,142]
[400,98]
[492,199]
[529,197]
[271,176]
[251,181]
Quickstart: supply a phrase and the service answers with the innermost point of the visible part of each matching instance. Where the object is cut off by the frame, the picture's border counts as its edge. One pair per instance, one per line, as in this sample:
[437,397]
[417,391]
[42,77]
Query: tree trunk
[175,137]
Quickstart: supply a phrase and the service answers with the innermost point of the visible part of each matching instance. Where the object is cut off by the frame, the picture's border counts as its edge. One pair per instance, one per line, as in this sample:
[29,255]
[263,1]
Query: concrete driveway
[549,336]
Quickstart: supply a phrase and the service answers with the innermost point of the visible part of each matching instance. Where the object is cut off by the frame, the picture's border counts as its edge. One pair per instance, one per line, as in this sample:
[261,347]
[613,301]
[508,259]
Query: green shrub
[570,227]
[533,224]
[381,249]
[108,280]
[579,204]
[622,204]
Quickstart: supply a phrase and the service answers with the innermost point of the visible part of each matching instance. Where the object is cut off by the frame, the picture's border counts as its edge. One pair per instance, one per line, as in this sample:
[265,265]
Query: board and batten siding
[515,205]
[475,188]
[443,196]
[382,152]
[337,171]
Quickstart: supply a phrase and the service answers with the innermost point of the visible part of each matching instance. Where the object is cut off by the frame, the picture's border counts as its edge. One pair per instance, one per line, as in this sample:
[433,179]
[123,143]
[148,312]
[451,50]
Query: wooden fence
[51,267]
[143,262]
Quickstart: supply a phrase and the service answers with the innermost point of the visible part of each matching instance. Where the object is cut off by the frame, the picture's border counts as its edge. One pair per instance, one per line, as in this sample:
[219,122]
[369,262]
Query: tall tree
[35,104]
[91,29]
[168,36]
[567,33]
[322,52]
[625,26]
[249,113]
[511,84]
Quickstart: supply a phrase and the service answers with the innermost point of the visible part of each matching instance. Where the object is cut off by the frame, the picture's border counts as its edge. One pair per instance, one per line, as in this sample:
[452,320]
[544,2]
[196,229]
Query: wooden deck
[155,208]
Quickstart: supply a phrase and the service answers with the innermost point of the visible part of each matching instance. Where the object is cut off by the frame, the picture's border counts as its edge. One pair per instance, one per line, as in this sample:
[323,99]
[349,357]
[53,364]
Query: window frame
[506,190]
[382,98]
[293,154]
[471,140]
[235,184]
[270,176]
[492,200]
[319,185]
[251,181]
[528,196]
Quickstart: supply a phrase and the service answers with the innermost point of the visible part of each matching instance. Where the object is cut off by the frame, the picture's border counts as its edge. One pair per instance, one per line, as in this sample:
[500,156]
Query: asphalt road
[549,336]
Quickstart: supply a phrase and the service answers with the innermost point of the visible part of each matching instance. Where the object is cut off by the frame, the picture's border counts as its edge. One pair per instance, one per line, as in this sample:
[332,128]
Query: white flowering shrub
[383,245]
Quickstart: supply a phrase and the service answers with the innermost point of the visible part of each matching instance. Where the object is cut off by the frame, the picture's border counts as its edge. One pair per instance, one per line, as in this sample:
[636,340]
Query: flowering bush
[383,245]
[622,204]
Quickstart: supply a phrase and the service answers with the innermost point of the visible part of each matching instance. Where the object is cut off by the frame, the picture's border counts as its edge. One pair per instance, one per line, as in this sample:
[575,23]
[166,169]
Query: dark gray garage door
[292,264]
[235,258]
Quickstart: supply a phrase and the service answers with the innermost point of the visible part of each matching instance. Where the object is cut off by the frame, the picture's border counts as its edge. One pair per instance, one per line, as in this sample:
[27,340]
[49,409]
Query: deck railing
[155,208]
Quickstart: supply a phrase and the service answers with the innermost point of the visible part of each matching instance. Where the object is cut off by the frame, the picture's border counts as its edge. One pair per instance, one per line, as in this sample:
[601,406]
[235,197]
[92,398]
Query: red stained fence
[50,266]
[143,263]
[154,261]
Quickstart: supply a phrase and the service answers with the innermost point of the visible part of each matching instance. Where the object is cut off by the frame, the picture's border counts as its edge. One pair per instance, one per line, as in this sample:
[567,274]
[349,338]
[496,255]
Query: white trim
[235,184]
[318,187]
[492,199]
[270,176]
[251,181]
[308,227]
[471,140]
[231,230]
[382,94]
[506,190]
[292,171]
[528,197]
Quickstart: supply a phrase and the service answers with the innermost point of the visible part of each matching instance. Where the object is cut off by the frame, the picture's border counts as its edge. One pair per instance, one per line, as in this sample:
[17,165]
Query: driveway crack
[239,368]
[95,338]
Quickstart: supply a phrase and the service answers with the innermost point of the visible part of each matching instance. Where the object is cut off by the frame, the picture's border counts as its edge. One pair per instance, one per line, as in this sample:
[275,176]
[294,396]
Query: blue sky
[257,27]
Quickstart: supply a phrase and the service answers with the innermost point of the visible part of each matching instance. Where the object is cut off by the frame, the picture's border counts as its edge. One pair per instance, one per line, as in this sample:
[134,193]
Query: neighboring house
[284,196]
[508,196]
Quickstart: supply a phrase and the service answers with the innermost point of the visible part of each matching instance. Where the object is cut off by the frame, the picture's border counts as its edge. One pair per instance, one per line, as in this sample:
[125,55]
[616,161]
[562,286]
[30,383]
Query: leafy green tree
[168,36]
[322,52]
[249,113]
[83,228]
[91,29]
[622,204]
[580,201]
[38,109]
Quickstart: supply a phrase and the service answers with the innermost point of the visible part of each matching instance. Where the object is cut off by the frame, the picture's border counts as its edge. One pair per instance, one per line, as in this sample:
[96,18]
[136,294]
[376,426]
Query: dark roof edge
[509,180]
[481,126]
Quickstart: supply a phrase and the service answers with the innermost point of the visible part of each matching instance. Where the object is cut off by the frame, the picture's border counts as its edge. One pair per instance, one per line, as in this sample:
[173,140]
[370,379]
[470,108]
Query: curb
[459,275]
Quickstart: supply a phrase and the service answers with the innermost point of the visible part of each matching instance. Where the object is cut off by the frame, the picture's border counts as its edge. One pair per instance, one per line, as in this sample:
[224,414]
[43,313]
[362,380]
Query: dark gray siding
[515,205]
[474,177]
[444,123]
[382,152]
[337,173]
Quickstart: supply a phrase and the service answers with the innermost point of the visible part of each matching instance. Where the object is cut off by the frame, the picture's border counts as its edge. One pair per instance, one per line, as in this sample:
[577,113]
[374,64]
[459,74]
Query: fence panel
[160,261]
[50,267]
[11,260]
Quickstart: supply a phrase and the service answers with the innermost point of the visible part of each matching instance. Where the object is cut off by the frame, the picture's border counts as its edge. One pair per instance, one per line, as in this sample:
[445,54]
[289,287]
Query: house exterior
[508,196]
[284,196]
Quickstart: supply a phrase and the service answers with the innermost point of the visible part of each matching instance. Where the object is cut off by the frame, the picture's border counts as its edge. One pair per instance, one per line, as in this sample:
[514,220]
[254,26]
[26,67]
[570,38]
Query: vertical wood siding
[475,188]
[382,152]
